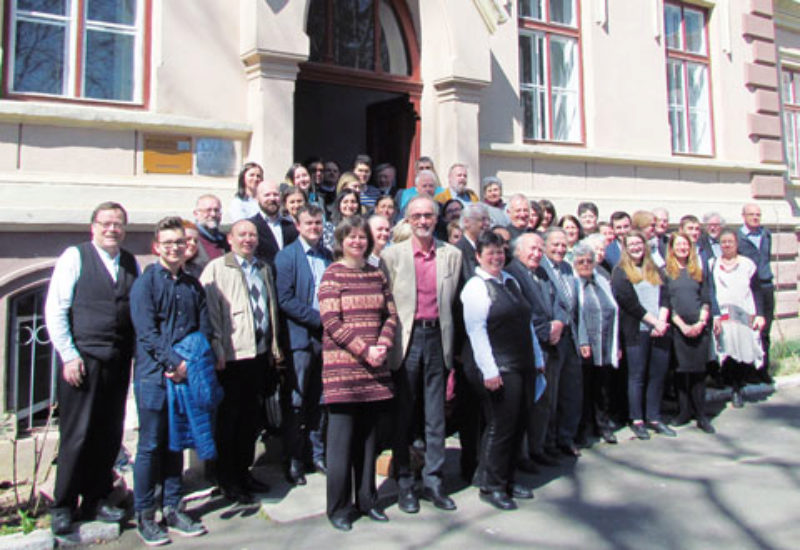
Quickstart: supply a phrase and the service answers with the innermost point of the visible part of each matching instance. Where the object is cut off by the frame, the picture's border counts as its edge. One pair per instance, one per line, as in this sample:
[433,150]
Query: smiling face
[492,258]
[492,193]
[519,212]
[381,231]
[556,246]
[681,248]
[108,230]
[269,198]
[635,248]
[208,213]
[421,216]
[302,179]
[243,239]
[692,229]
[191,241]
[530,250]
[252,178]
[354,244]
[348,206]
[362,172]
[170,247]
[293,202]
[309,227]
[426,184]
[714,227]
[621,227]
[572,231]
[751,214]
[453,211]
[386,208]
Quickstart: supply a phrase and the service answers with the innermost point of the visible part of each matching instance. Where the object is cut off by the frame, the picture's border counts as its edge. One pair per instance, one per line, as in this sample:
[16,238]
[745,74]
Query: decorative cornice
[493,12]
[271,64]
[456,88]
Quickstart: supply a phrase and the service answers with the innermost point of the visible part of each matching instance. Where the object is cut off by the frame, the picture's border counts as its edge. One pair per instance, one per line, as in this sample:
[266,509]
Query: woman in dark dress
[358,321]
[690,308]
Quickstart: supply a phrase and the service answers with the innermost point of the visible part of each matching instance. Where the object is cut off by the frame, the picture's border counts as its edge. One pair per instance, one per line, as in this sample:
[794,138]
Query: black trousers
[420,380]
[691,395]
[504,411]
[352,439]
[596,408]
[238,418]
[306,419]
[91,419]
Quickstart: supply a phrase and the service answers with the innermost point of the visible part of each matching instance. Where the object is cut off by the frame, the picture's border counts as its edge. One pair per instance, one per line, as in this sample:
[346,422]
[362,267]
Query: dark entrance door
[390,131]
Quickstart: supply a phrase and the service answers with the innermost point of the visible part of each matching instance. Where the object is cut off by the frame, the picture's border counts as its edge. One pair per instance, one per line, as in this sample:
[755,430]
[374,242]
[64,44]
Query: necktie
[256,297]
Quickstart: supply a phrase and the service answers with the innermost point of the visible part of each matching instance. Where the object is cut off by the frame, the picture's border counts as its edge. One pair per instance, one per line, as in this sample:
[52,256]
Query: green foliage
[785,357]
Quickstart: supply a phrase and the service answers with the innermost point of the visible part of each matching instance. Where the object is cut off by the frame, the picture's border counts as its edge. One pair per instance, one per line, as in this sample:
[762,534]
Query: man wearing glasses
[208,217]
[166,305]
[424,274]
[88,318]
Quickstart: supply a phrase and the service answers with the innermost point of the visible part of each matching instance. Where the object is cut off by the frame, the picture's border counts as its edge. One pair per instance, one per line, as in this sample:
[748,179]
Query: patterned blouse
[357,311]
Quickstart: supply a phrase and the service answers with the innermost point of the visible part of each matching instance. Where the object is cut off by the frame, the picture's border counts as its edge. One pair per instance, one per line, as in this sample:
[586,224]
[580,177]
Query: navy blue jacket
[294,285]
[540,295]
[164,311]
[614,253]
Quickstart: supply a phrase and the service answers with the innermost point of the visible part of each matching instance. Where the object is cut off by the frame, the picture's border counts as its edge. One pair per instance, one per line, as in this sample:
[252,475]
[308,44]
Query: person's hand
[73,372]
[759,323]
[556,328]
[376,355]
[586,351]
[179,374]
[718,327]
[493,384]
[660,328]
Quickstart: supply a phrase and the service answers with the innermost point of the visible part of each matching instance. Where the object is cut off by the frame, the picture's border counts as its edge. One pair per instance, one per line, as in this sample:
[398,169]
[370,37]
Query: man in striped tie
[244,318]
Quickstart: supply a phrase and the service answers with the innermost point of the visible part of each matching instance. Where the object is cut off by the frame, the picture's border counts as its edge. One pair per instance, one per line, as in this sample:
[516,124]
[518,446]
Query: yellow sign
[167,154]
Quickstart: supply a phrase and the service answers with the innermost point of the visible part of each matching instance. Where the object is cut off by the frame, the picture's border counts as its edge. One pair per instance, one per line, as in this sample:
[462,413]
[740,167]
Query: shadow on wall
[503,94]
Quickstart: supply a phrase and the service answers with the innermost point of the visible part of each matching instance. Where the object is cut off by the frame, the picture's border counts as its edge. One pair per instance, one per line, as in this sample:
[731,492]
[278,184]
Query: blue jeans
[155,463]
[648,361]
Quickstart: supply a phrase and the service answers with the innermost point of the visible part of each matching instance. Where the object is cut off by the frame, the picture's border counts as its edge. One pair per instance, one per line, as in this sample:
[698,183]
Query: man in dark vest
[213,243]
[88,318]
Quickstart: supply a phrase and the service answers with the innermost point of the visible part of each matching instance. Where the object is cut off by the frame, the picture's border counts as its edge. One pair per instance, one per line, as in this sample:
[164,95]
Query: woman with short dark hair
[358,320]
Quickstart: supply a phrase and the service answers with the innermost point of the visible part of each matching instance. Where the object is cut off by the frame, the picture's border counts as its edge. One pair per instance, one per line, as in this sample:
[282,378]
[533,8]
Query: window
[85,49]
[790,80]
[33,365]
[549,57]
[360,34]
[688,80]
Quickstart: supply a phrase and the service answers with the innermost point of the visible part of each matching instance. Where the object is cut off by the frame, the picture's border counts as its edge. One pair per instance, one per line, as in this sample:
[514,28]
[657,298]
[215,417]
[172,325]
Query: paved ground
[737,489]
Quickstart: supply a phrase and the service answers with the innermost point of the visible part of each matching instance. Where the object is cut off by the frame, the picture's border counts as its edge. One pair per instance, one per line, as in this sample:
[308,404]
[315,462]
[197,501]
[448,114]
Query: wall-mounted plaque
[165,154]
[215,157]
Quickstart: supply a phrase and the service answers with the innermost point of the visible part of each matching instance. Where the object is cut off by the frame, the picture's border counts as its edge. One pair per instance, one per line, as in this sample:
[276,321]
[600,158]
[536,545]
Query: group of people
[367,309]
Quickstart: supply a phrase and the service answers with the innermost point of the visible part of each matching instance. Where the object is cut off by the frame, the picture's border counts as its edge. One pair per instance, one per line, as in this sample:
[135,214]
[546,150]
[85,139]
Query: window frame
[532,27]
[791,119]
[685,57]
[76,28]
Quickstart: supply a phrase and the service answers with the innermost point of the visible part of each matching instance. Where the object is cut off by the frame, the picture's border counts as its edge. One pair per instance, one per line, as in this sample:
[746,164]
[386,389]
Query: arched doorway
[359,92]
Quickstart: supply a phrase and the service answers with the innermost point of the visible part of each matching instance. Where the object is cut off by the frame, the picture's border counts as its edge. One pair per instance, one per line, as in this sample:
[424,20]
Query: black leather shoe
[237,494]
[60,521]
[570,449]
[544,459]
[342,524]
[108,514]
[296,474]
[438,498]
[608,436]
[679,421]
[528,466]
[407,501]
[520,491]
[254,485]
[499,500]
[661,428]
[377,515]
[640,430]
[706,426]
[320,466]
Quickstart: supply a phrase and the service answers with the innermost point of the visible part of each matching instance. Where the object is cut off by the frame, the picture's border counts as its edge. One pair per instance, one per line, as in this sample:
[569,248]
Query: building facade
[689,104]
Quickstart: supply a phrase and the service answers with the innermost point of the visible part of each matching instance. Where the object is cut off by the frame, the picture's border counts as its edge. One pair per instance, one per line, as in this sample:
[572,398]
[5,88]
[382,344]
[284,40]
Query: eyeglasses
[180,243]
[111,225]
[209,210]
[584,261]
[422,216]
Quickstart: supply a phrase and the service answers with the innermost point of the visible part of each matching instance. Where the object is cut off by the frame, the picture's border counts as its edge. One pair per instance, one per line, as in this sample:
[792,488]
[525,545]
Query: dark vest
[100,316]
[508,326]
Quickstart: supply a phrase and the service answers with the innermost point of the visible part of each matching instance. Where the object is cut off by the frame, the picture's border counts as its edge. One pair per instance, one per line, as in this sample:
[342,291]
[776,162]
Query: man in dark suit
[519,212]
[755,242]
[621,224]
[474,220]
[540,293]
[299,268]
[274,231]
[564,367]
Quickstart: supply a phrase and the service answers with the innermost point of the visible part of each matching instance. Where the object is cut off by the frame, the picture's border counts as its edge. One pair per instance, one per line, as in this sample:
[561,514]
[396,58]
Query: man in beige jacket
[244,318]
[424,274]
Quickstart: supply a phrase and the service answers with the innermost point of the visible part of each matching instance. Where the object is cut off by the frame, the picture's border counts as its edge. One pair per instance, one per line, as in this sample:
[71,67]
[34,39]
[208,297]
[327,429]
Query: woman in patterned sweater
[359,320]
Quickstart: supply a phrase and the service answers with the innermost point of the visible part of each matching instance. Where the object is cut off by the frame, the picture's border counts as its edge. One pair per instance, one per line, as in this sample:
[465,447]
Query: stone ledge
[41,539]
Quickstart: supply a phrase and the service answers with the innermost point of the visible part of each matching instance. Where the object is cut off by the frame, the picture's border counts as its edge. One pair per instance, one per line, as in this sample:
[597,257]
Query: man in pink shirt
[424,273]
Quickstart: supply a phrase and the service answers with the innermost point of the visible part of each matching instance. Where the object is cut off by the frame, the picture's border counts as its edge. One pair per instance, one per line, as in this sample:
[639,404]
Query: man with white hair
[425,183]
[519,212]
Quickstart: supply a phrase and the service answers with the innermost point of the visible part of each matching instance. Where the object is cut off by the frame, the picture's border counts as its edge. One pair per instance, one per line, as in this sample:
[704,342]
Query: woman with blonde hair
[690,309]
[643,300]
